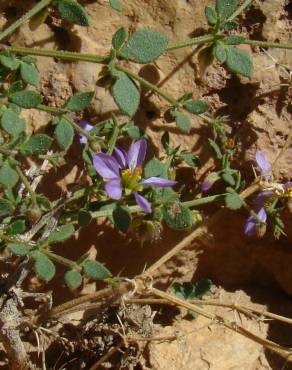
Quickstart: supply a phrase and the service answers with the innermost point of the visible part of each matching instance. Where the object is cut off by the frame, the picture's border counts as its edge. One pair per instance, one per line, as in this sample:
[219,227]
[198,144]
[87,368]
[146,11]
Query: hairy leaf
[144,46]
[62,233]
[73,12]
[64,134]
[79,101]
[239,61]
[12,123]
[8,176]
[44,267]
[36,144]
[95,270]
[26,99]
[73,279]
[126,95]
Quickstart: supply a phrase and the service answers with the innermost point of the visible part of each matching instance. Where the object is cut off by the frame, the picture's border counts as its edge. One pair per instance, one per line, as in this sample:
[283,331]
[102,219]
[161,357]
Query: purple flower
[87,127]
[272,190]
[122,172]
[209,180]
[264,165]
[251,225]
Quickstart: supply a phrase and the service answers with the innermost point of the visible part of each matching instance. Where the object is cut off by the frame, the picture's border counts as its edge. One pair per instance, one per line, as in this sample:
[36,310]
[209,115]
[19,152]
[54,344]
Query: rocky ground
[252,271]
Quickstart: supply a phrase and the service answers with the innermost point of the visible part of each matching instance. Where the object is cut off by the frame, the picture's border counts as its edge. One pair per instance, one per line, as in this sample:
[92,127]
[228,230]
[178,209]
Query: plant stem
[195,41]
[60,111]
[64,55]
[150,86]
[267,44]
[36,9]
[205,200]
[114,137]
[61,260]
[240,9]
[27,185]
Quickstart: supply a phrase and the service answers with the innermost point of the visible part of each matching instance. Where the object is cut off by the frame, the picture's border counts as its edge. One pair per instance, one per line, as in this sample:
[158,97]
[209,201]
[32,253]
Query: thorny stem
[194,41]
[27,185]
[267,44]
[36,9]
[239,10]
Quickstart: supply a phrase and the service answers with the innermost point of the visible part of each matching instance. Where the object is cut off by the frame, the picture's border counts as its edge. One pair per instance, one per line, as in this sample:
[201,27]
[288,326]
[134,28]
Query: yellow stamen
[130,180]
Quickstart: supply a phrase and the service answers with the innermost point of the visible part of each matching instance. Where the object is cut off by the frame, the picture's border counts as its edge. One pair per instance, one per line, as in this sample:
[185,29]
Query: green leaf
[187,96]
[36,144]
[38,19]
[8,176]
[29,73]
[177,216]
[62,233]
[144,46]
[73,279]
[6,207]
[17,227]
[95,270]
[126,95]
[14,87]
[211,15]
[227,177]
[135,132]
[84,218]
[115,4]
[155,168]
[239,61]
[79,101]
[73,12]
[191,159]
[64,134]
[9,62]
[182,121]
[12,123]
[233,201]
[231,25]
[220,52]
[26,99]
[44,267]
[119,38]
[18,249]
[215,148]
[196,106]
[225,8]
[234,40]
[122,218]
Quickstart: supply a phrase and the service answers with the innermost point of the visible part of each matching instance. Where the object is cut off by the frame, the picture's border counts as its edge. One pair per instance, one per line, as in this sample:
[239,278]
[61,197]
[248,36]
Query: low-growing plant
[134,194]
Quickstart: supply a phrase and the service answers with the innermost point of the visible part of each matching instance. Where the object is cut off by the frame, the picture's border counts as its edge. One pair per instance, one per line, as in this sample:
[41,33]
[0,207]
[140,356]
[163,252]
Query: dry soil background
[249,270]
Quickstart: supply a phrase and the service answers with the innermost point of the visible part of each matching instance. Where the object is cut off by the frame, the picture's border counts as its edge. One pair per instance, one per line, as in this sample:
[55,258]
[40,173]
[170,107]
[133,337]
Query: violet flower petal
[142,202]
[106,166]
[287,185]
[137,154]
[114,189]
[260,200]
[121,157]
[250,227]
[157,182]
[264,164]
[87,127]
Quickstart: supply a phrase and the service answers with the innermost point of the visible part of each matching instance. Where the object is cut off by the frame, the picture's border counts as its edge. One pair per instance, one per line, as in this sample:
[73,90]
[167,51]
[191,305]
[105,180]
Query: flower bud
[33,214]
[95,146]
[209,180]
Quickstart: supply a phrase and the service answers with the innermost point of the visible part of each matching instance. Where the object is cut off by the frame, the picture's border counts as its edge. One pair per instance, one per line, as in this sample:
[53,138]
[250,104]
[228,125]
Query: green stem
[64,55]
[190,203]
[205,200]
[267,44]
[61,260]
[27,185]
[195,41]
[149,85]
[240,9]
[8,152]
[114,137]
[36,9]
[60,111]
